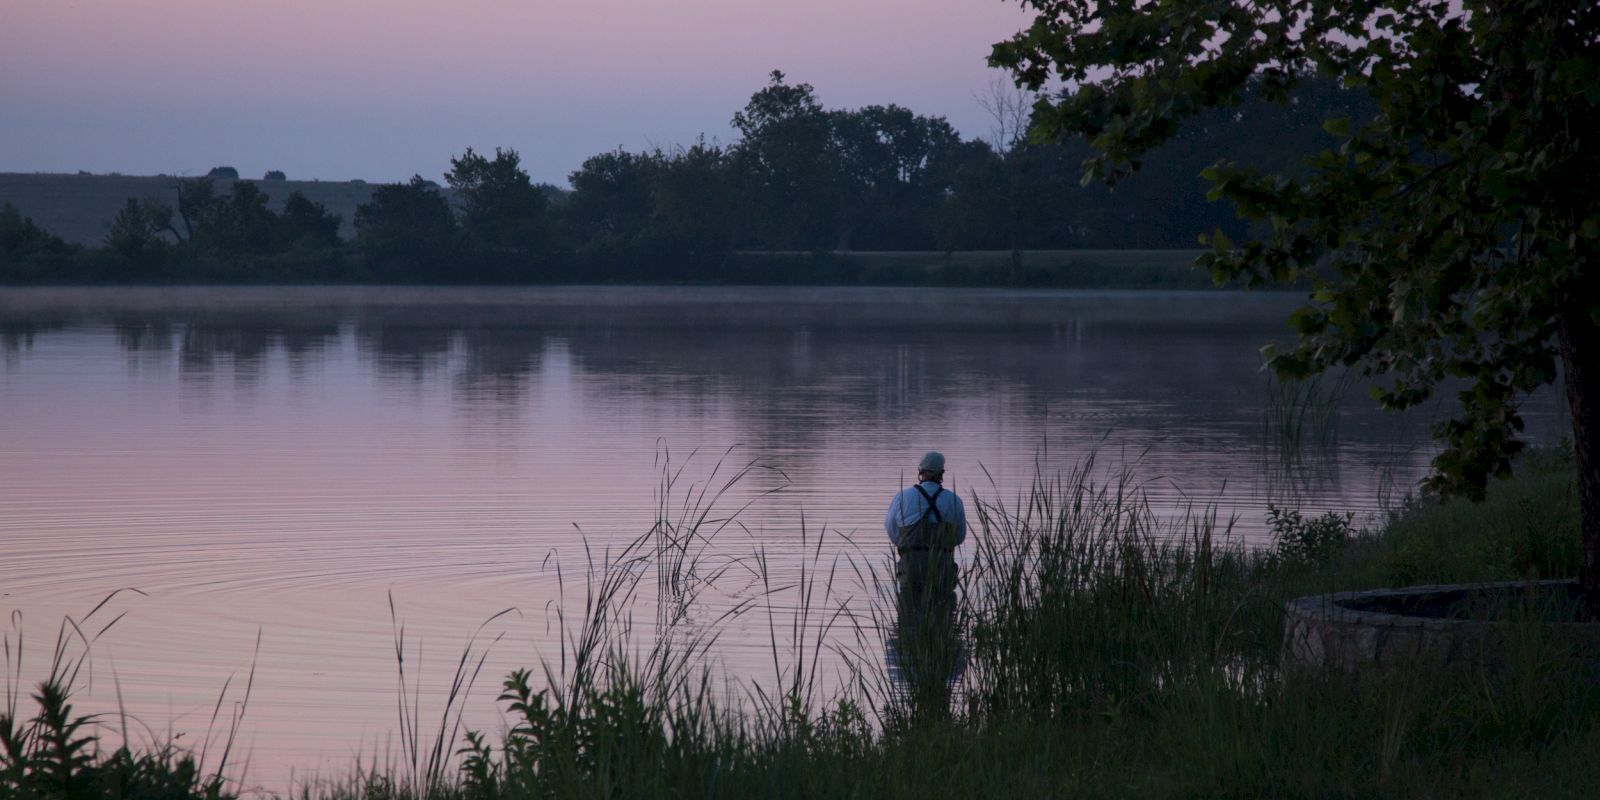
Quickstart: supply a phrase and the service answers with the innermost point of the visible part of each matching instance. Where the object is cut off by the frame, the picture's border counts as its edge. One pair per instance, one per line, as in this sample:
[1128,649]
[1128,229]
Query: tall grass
[1091,648]
[1083,603]
[57,753]
[1299,430]
[1303,414]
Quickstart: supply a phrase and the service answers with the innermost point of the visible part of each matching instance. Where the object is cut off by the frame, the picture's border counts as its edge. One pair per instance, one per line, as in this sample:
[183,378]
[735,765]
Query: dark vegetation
[80,208]
[1451,236]
[805,194]
[1107,653]
[55,753]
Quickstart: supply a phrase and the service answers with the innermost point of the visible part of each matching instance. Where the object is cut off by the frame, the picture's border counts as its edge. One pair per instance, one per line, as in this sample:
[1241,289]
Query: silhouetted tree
[784,163]
[694,206]
[239,224]
[21,237]
[274,175]
[999,199]
[611,199]
[308,224]
[158,214]
[223,172]
[195,198]
[30,253]
[132,233]
[502,211]
[893,169]
[801,176]
[408,232]
[1453,236]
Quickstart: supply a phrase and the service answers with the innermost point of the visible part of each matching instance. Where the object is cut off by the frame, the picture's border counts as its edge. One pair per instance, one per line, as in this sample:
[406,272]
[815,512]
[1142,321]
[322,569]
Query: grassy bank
[1103,652]
[1063,269]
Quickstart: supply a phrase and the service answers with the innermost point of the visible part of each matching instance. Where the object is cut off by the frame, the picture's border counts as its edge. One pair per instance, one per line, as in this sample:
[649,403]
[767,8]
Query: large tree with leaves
[1451,239]
[785,165]
[893,169]
[501,210]
[408,233]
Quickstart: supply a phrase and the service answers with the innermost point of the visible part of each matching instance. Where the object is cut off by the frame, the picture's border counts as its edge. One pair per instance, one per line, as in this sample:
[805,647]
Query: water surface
[280,462]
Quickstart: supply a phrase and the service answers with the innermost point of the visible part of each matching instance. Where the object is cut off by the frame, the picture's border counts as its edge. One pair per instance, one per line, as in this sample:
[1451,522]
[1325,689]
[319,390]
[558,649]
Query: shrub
[1307,541]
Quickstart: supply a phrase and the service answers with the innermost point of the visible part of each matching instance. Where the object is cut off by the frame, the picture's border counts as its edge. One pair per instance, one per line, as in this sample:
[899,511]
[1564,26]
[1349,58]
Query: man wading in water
[926,523]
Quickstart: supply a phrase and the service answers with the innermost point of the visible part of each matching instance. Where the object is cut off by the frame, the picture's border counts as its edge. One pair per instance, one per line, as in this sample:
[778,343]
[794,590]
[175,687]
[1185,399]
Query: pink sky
[380,89]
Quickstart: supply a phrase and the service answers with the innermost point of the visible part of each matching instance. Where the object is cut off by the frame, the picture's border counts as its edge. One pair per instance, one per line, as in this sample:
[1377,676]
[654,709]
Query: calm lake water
[281,462]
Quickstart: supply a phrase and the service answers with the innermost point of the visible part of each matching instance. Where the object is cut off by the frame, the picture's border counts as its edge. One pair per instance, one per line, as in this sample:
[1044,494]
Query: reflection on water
[281,459]
[923,654]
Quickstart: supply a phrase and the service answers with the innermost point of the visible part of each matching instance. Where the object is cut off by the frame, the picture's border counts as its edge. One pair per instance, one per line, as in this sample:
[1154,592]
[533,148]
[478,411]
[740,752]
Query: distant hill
[79,208]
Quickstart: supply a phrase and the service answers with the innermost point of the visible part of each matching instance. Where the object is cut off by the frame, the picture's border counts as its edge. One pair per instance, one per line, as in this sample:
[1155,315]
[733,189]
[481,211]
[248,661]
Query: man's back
[911,505]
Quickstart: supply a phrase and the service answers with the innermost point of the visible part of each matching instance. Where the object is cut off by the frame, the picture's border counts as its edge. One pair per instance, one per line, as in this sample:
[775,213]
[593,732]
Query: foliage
[274,175]
[56,755]
[306,223]
[1526,528]
[30,253]
[1451,239]
[694,207]
[784,163]
[21,238]
[1112,653]
[136,232]
[229,173]
[237,223]
[612,199]
[53,755]
[1445,235]
[1017,200]
[1307,541]
[195,197]
[407,232]
[801,177]
[893,167]
[501,210]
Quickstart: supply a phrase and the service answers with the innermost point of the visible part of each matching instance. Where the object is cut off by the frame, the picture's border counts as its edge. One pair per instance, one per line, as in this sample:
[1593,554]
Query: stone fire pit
[1440,624]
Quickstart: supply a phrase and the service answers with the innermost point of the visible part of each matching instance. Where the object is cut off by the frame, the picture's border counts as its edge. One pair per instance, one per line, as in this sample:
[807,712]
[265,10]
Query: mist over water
[282,461]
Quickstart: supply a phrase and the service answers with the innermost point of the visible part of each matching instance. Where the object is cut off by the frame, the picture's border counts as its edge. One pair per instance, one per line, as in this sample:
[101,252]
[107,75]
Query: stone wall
[1435,624]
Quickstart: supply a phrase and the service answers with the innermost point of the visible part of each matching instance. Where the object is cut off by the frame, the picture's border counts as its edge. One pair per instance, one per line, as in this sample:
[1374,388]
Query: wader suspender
[925,557]
[933,508]
[921,541]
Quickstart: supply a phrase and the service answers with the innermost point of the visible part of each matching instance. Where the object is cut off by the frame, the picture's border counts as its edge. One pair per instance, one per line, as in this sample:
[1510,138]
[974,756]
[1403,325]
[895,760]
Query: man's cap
[932,462]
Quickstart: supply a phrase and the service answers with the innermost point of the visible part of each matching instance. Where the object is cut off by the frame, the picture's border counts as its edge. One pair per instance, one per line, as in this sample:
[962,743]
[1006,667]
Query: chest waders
[927,550]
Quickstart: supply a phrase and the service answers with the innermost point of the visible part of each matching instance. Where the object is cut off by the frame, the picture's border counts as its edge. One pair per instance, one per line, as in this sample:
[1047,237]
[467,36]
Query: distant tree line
[800,179]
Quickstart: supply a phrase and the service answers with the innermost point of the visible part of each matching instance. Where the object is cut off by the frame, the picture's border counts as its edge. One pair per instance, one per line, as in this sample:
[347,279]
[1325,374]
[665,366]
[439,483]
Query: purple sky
[380,89]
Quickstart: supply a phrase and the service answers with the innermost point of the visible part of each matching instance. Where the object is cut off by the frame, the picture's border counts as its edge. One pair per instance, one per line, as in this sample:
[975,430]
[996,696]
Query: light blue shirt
[908,506]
